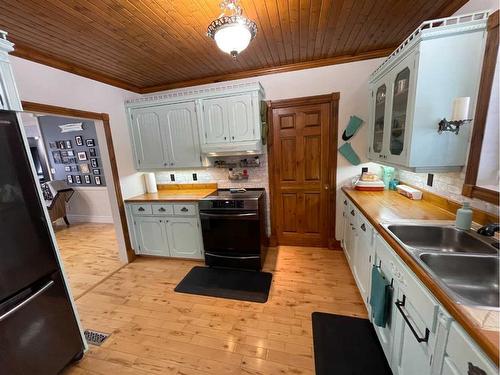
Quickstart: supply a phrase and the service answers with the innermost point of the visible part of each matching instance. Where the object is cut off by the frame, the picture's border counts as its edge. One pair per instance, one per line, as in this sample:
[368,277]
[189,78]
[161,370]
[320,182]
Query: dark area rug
[241,285]
[346,346]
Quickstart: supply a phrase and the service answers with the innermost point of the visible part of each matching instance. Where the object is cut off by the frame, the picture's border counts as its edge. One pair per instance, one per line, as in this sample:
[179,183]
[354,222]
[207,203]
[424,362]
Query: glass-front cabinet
[414,88]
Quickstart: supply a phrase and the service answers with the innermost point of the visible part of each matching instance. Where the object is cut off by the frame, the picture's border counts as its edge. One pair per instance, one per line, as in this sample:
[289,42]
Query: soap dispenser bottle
[464,217]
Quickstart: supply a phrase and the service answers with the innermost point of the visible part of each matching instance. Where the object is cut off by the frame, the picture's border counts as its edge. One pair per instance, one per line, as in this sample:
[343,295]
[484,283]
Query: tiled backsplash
[258,178]
[448,185]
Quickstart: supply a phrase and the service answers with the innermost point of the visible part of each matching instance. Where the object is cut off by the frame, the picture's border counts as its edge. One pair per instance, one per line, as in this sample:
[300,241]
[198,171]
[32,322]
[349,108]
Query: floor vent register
[95,338]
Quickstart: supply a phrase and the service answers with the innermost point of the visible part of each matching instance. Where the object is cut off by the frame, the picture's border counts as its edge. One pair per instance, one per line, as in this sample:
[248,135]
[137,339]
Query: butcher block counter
[482,325]
[176,193]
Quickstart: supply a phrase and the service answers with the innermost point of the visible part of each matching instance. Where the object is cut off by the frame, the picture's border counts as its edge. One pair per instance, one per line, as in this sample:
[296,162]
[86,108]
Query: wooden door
[240,114]
[303,164]
[180,134]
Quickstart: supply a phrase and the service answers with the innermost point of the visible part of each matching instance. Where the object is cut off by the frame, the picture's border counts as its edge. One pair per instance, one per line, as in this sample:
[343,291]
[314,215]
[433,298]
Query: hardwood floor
[89,252]
[157,331]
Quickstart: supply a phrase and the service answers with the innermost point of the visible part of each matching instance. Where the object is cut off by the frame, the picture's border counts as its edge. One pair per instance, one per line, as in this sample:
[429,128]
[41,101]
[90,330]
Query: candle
[460,108]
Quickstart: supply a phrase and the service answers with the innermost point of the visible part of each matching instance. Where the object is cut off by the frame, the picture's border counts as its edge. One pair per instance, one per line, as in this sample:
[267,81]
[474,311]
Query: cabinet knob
[165,164]
[161,209]
[232,137]
[140,209]
[184,209]
[363,227]
[225,138]
[352,212]
[171,163]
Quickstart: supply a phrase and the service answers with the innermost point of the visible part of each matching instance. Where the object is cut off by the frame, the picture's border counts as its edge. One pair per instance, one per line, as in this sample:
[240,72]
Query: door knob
[326,187]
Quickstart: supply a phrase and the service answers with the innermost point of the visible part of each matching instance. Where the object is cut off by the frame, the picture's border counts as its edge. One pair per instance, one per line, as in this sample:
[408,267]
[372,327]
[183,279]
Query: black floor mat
[346,346]
[227,283]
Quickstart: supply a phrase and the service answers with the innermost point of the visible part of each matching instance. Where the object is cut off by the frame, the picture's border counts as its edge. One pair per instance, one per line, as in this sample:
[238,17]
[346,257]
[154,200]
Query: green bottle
[464,217]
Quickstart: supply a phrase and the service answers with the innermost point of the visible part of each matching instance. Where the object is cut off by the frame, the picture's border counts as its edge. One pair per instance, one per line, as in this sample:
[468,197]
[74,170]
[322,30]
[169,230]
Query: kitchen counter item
[387,206]
[464,217]
[369,185]
[176,193]
[409,192]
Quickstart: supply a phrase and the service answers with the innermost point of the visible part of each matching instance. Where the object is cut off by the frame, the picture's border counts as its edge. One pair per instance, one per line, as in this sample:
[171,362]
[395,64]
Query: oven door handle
[230,257]
[230,216]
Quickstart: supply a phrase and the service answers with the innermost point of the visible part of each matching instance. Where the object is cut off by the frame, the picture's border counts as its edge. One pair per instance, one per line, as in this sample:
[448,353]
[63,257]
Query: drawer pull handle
[184,209]
[161,209]
[352,212]
[400,305]
[141,209]
[363,227]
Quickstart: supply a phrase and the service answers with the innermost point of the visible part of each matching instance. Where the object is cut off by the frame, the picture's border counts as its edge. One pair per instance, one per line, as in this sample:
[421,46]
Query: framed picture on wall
[93,163]
[71,153]
[87,179]
[72,160]
[82,155]
[69,179]
[96,171]
[56,155]
[84,168]
[68,144]
[52,145]
[79,140]
[67,168]
[78,179]
[61,144]
[97,180]
[90,142]
[64,154]
[92,152]
[74,168]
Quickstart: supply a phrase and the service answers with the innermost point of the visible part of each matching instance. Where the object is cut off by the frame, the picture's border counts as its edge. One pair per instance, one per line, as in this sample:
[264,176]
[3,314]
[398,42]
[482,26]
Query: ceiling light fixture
[231,30]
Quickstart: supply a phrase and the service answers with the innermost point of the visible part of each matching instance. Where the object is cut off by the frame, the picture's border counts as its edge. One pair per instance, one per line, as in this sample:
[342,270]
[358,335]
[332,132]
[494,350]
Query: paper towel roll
[460,108]
[150,182]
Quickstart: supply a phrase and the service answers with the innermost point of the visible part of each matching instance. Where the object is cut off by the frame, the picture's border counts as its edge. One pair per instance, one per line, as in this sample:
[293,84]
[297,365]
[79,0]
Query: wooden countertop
[176,193]
[482,325]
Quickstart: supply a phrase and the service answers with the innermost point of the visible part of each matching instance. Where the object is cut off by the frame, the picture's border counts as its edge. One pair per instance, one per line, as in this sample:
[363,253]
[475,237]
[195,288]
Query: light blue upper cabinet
[180,135]
[147,135]
[414,89]
[165,136]
[215,121]
[179,128]
[241,118]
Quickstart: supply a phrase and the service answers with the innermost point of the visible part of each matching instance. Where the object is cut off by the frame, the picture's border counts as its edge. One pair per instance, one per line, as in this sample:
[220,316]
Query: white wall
[43,84]
[477,5]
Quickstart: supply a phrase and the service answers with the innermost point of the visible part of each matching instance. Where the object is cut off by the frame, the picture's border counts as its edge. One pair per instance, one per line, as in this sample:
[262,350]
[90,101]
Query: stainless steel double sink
[465,263]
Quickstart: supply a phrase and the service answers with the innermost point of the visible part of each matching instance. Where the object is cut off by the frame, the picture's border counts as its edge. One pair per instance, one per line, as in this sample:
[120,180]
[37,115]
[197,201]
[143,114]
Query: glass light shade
[233,38]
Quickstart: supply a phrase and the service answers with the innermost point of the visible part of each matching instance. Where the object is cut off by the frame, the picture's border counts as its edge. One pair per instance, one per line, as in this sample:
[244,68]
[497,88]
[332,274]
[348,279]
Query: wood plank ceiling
[151,45]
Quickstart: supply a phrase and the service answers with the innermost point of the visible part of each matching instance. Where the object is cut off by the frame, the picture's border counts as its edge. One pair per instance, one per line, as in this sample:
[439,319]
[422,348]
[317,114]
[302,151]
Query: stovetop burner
[232,194]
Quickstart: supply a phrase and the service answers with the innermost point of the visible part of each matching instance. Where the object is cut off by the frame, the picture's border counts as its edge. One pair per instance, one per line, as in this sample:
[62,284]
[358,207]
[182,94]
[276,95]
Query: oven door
[231,238]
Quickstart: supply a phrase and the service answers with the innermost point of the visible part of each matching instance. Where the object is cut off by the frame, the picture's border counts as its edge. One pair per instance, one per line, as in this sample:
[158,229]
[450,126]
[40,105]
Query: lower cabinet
[184,237]
[151,237]
[420,337]
[167,230]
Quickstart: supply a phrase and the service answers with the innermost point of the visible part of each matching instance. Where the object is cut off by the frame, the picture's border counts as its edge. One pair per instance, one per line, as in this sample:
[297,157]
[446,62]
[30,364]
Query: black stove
[233,227]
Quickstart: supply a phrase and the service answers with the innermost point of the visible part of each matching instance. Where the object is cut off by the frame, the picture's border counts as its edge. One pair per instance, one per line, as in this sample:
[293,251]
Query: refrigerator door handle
[26,301]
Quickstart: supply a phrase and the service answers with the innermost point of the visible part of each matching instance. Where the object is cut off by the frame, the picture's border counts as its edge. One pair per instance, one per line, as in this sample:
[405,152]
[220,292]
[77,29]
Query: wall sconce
[459,116]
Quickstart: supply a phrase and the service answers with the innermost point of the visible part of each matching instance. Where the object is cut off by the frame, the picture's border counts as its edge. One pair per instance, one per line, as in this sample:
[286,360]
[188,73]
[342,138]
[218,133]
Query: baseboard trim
[90,219]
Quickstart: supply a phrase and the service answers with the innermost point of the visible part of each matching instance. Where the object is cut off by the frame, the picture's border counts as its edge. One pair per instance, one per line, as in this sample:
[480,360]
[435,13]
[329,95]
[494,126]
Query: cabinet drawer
[464,355]
[141,209]
[185,209]
[162,209]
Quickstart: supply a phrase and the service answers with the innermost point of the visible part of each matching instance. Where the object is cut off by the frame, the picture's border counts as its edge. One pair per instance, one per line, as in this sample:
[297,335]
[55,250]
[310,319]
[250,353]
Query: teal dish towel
[380,297]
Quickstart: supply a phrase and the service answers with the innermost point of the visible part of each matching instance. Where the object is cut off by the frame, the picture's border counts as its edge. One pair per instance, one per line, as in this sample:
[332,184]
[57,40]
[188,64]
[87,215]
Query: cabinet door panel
[151,236]
[184,237]
[215,122]
[241,124]
[148,144]
[179,129]
[379,120]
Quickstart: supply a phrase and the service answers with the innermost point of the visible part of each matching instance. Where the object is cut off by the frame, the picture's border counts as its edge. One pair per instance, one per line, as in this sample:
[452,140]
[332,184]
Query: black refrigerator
[39,333]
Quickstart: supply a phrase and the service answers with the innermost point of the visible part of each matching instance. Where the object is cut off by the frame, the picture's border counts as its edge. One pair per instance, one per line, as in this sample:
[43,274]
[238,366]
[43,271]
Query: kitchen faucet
[489,229]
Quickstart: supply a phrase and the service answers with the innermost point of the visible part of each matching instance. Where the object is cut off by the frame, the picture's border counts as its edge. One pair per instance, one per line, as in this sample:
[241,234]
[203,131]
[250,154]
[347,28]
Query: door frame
[333,100]
[104,118]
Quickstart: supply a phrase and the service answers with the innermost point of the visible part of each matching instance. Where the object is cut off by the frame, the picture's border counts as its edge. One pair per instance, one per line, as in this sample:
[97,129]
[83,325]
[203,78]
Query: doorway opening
[74,158]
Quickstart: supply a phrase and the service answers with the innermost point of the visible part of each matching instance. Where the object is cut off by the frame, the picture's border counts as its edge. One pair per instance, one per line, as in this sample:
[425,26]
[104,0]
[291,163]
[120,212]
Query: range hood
[233,149]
